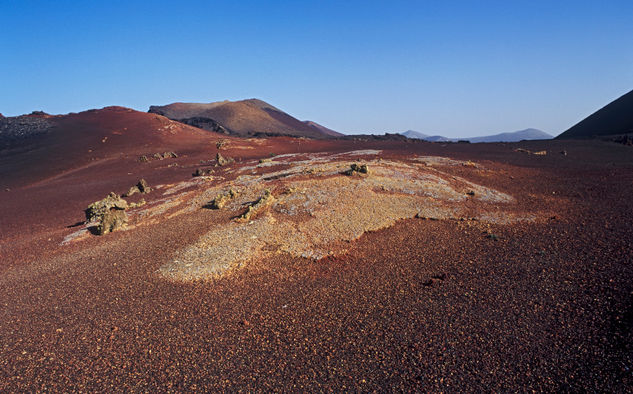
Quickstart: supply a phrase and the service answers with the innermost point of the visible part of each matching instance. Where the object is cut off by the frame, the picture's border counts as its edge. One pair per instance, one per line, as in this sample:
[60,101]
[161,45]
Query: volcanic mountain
[245,118]
[415,134]
[516,136]
[612,119]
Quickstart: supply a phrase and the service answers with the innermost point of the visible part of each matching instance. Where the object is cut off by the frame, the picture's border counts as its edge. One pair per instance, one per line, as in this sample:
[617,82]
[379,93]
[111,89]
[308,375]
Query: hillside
[38,146]
[612,119]
[245,118]
[323,129]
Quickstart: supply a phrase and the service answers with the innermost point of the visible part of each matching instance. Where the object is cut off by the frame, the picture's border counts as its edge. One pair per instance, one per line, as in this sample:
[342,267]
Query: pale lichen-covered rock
[109,214]
[222,161]
[141,187]
[113,220]
[221,199]
[257,207]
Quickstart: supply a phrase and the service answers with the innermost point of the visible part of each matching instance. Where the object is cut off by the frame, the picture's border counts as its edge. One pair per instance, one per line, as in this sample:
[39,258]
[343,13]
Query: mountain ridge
[244,118]
[515,136]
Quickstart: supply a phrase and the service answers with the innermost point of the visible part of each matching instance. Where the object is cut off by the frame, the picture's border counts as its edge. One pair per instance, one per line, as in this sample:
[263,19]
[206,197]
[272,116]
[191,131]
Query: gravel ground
[423,305]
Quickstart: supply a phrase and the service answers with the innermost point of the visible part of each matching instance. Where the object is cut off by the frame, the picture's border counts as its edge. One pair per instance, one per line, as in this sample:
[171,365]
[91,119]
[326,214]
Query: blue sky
[457,68]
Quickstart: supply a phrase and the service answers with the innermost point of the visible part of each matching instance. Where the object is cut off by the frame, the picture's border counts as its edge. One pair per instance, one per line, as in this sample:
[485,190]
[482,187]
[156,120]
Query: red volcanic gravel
[421,306]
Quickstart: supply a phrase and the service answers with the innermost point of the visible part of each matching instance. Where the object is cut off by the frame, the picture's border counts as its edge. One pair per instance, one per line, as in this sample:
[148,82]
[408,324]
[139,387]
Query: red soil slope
[424,305]
[77,140]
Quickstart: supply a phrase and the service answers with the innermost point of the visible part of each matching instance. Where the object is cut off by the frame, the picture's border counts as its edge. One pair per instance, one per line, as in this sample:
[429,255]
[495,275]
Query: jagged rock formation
[221,199]
[141,187]
[222,160]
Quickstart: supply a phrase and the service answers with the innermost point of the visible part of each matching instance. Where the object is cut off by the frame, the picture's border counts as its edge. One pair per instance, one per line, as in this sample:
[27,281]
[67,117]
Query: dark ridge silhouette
[613,119]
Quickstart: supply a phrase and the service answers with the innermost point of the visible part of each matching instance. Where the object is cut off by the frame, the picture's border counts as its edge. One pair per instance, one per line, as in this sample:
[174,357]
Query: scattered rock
[529,152]
[141,187]
[624,140]
[109,213]
[221,199]
[419,215]
[137,204]
[470,193]
[158,156]
[202,172]
[222,143]
[222,161]
[357,169]
[257,207]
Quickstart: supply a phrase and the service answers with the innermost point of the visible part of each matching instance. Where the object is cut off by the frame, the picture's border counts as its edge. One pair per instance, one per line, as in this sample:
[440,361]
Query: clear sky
[456,68]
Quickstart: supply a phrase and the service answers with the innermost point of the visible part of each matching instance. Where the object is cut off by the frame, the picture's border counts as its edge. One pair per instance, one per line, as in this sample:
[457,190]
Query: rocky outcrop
[257,207]
[13,130]
[360,169]
[108,214]
[141,187]
[221,199]
[222,160]
[206,124]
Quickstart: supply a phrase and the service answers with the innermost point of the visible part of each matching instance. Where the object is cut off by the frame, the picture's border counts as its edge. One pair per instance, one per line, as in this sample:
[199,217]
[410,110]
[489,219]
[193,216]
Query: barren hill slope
[614,118]
[38,146]
[243,118]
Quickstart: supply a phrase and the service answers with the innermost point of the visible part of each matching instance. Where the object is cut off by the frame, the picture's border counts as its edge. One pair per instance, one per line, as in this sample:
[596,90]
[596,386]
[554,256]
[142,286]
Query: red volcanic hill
[323,129]
[38,146]
[243,118]
[614,118]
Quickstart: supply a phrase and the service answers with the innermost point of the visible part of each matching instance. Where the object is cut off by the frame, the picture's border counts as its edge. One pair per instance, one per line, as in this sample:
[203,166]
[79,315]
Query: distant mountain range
[244,118]
[527,134]
[613,119]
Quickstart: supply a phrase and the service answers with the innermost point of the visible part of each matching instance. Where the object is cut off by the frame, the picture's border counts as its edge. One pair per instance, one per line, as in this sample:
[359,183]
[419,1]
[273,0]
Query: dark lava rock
[357,169]
[202,172]
[14,130]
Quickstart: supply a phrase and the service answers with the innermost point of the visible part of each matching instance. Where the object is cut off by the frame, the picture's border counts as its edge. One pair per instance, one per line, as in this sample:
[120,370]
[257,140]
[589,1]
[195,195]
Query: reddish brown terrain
[243,118]
[329,265]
